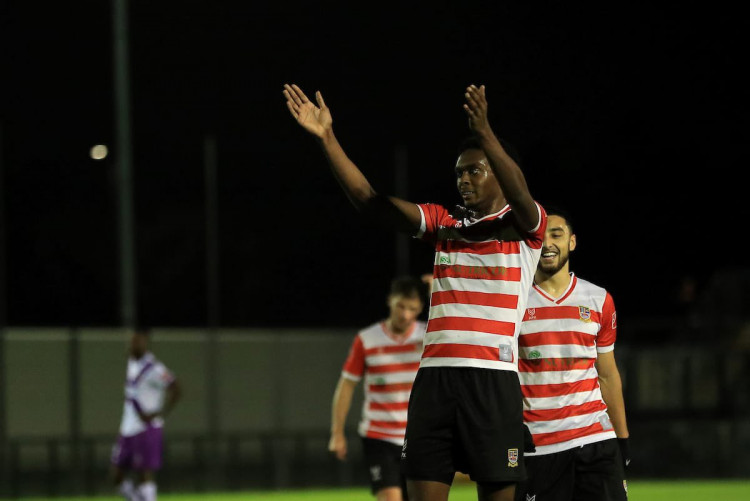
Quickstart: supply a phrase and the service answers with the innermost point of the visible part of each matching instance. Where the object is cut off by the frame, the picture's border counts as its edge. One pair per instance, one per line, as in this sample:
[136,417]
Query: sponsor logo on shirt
[534,354]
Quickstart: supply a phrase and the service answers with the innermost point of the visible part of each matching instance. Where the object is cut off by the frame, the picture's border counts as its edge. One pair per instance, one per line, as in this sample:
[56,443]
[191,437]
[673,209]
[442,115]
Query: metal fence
[256,409]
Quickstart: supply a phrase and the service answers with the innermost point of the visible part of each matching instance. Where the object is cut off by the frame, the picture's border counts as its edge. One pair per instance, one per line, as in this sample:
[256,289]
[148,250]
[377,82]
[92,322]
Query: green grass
[679,490]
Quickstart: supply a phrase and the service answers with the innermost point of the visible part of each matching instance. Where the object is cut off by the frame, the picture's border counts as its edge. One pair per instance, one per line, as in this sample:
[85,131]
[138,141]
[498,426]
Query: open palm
[315,119]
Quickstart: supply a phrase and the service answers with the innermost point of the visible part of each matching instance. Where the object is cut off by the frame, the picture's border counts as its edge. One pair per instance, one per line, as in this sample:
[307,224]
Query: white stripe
[350,376]
[386,415]
[390,431]
[485,260]
[446,284]
[391,377]
[422,223]
[558,402]
[393,358]
[467,337]
[605,349]
[389,396]
[558,350]
[556,377]
[468,362]
[561,324]
[473,311]
[568,423]
[571,444]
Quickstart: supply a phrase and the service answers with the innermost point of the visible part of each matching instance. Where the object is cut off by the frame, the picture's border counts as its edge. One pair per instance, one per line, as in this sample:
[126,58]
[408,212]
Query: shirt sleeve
[605,339]
[535,238]
[432,215]
[354,367]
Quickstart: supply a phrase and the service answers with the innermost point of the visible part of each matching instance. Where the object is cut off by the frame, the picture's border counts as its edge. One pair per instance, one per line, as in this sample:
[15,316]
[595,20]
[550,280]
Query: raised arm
[507,172]
[317,120]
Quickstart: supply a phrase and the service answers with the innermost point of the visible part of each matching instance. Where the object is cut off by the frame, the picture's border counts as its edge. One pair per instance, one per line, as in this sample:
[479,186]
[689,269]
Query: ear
[572,242]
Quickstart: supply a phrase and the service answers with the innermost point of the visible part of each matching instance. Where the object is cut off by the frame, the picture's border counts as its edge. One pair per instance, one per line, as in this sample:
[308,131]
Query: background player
[386,354]
[486,254]
[151,392]
[573,401]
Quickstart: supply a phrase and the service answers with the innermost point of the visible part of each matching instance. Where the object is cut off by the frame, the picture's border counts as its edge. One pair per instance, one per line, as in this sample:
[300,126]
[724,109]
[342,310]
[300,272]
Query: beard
[550,270]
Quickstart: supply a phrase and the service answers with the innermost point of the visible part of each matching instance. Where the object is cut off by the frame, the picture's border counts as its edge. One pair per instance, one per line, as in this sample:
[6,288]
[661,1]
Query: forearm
[356,187]
[342,401]
[174,392]
[611,388]
[506,170]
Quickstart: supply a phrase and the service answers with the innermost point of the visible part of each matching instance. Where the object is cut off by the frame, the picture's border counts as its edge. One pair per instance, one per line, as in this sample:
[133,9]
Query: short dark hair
[471,143]
[556,210]
[408,286]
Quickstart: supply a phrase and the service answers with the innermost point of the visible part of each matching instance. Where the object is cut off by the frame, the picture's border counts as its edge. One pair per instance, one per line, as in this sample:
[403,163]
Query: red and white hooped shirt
[389,366]
[482,274]
[559,342]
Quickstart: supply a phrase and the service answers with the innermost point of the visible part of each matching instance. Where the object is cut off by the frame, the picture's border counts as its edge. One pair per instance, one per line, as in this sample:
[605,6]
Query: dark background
[630,118]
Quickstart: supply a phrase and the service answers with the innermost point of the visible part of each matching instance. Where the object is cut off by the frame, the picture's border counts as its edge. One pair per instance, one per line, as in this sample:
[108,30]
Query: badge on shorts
[512,458]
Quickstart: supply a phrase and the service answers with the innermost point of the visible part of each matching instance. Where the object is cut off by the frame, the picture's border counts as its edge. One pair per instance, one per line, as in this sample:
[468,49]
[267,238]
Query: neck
[396,332]
[554,284]
[496,206]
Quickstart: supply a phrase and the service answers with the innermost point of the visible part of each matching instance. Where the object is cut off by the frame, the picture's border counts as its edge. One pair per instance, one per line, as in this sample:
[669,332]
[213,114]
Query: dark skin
[137,349]
[487,179]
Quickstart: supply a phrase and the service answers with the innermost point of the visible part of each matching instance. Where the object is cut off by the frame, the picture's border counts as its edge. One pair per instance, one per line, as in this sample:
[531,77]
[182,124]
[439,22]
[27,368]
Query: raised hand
[476,108]
[316,120]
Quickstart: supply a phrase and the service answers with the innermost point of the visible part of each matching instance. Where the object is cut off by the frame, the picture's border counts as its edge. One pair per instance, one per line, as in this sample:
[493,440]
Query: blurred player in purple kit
[151,391]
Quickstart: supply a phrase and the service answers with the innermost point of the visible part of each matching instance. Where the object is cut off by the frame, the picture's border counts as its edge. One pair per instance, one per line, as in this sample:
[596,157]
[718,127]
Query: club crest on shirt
[585,313]
[512,458]
[532,313]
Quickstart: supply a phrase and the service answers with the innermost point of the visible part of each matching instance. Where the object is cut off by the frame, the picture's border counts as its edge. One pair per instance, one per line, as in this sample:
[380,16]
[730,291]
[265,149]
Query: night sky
[630,118]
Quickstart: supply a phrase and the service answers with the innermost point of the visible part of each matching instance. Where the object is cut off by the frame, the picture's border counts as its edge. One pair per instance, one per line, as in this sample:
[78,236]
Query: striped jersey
[146,382]
[559,342]
[482,273]
[389,366]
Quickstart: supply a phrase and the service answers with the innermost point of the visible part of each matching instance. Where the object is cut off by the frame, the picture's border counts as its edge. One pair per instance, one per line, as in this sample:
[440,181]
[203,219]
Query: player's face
[475,180]
[138,345]
[404,311]
[558,242]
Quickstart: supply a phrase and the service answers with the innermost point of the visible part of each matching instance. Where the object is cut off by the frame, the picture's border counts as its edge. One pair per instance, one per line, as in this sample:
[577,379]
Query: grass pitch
[677,490]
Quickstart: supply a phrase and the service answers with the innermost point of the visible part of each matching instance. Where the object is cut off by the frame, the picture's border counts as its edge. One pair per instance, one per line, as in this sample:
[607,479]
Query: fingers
[319,99]
[292,109]
[295,94]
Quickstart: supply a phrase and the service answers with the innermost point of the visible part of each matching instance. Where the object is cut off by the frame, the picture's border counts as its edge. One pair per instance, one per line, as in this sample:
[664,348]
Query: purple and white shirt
[145,386]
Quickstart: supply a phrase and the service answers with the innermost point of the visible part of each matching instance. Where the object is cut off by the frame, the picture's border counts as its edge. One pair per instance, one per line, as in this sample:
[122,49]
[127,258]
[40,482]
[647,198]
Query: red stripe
[563,412]
[556,337]
[556,390]
[384,350]
[479,298]
[555,364]
[386,388]
[557,437]
[478,272]
[483,248]
[388,406]
[461,351]
[471,324]
[380,435]
[380,369]
[561,312]
[388,424]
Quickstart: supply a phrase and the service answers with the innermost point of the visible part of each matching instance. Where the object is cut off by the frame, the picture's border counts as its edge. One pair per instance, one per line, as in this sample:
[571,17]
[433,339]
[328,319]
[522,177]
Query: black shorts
[468,420]
[593,472]
[383,461]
